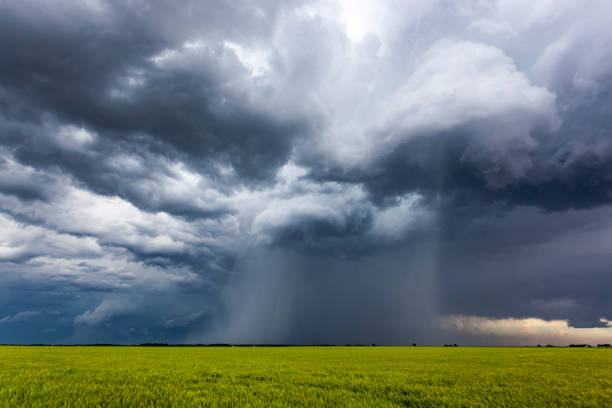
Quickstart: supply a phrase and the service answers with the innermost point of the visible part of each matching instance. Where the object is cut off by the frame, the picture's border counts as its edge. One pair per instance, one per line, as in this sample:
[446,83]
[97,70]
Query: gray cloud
[555,270]
[21,316]
[302,172]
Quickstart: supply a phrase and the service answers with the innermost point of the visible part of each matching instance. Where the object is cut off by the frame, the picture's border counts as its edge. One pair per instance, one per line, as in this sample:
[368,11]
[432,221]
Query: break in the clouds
[305,172]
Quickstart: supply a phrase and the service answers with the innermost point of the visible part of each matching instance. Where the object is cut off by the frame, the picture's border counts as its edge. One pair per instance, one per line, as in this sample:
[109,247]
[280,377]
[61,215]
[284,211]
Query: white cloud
[22,241]
[514,17]
[382,19]
[256,60]
[454,84]
[528,331]
[397,221]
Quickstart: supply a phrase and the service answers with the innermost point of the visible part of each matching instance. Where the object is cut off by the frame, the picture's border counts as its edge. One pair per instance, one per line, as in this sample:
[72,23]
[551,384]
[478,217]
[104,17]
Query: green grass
[304,376]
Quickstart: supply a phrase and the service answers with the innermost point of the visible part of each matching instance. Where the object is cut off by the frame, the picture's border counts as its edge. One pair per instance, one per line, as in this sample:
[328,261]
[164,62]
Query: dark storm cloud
[383,299]
[555,168]
[562,175]
[318,233]
[292,171]
[97,68]
[555,271]
[34,188]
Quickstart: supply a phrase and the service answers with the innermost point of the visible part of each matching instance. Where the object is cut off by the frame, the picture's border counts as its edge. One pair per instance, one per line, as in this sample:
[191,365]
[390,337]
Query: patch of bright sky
[529,330]
[361,17]
[254,59]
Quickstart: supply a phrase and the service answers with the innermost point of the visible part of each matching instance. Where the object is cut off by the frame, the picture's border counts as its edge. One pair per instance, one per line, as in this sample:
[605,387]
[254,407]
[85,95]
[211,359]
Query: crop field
[304,376]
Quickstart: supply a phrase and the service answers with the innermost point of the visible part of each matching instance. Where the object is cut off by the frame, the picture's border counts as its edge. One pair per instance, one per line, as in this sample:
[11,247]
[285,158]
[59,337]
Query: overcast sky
[346,171]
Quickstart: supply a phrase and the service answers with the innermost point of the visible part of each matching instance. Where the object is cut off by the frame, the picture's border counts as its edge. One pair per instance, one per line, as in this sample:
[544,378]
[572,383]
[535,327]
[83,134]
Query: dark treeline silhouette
[605,345]
[185,345]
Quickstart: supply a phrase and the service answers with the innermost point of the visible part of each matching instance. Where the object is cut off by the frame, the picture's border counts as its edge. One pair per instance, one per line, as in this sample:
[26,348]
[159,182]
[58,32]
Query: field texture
[304,376]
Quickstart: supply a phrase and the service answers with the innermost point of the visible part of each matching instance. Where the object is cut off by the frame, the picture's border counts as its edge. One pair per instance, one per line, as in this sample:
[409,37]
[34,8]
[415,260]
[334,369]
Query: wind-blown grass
[304,376]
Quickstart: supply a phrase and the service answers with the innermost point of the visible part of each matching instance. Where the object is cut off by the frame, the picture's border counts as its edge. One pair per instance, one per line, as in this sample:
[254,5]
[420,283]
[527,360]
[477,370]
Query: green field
[304,376]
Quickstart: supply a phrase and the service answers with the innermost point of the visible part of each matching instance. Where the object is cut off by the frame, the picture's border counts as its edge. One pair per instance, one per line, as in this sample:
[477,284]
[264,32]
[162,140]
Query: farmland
[304,376]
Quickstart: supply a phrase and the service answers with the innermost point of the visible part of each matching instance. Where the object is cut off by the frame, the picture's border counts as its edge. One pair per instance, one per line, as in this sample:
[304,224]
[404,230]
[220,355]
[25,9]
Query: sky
[388,172]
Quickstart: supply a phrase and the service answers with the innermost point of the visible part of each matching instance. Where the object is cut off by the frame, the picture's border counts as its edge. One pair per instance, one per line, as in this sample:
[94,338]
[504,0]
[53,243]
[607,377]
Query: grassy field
[304,376]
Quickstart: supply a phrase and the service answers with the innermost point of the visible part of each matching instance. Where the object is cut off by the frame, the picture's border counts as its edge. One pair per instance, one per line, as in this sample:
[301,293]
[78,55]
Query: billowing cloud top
[310,172]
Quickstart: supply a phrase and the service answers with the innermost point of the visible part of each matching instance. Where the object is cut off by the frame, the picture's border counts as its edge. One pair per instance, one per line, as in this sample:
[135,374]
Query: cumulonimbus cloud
[148,150]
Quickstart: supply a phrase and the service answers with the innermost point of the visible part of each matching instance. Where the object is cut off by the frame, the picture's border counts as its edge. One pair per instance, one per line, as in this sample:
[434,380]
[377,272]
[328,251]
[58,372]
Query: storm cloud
[306,172]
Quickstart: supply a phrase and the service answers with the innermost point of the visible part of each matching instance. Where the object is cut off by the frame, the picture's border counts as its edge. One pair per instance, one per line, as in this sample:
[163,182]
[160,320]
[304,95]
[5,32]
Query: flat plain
[304,376]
